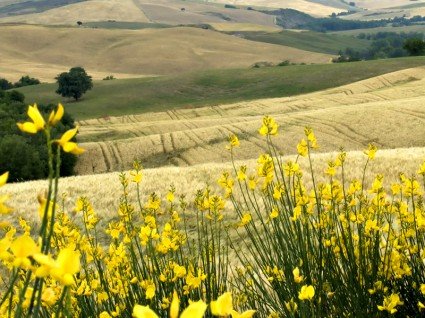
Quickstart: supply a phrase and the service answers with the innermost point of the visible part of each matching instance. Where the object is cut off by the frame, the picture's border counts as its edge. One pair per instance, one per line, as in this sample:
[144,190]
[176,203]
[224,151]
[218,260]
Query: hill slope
[138,52]
[213,87]
[92,10]
[311,7]
[384,110]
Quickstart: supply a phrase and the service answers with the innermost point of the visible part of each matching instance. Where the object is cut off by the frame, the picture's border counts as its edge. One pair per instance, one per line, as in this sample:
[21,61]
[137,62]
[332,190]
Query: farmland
[39,51]
[214,87]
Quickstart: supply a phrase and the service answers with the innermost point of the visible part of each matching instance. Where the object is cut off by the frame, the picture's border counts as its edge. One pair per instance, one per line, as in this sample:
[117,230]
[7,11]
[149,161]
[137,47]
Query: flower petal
[36,117]
[3,178]
[28,127]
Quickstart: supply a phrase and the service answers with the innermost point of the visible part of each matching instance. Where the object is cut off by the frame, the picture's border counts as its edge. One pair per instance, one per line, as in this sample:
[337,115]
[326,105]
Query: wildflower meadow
[340,248]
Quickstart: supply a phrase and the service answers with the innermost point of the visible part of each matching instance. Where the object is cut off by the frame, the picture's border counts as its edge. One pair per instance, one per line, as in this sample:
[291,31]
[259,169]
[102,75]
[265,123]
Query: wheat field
[382,4]
[309,7]
[196,12]
[35,49]
[104,190]
[386,110]
[244,27]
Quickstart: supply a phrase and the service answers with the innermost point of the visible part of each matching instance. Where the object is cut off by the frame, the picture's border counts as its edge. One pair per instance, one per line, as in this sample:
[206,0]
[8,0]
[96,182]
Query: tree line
[386,45]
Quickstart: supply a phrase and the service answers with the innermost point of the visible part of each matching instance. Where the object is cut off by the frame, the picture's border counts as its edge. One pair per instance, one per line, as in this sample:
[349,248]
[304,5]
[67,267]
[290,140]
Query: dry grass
[169,11]
[104,190]
[244,27]
[87,11]
[27,49]
[306,6]
[386,110]
[387,9]
[382,4]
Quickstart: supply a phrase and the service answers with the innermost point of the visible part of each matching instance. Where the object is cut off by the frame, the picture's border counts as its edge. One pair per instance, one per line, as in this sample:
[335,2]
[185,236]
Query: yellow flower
[291,305]
[137,176]
[246,218]
[233,142]
[306,293]
[390,303]
[371,151]
[37,123]
[422,169]
[22,248]
[55,117]
[69,146]
[175,306]
[4,209]
[3,178]
[42,207]
[223,306]
[49,296]
[246,314]
[302,148]
[269,127]
[143,312]
[66,266]
[311,137]
[422,289]
[297,277]
[274,213]
[104,314]
[195,310]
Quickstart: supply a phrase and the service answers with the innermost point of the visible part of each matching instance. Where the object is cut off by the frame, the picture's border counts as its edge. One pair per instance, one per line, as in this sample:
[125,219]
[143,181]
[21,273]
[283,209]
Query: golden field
[196,12]
[308,7]
[104,190]
[43,52]
[386,110]
[87,11]
[244,27]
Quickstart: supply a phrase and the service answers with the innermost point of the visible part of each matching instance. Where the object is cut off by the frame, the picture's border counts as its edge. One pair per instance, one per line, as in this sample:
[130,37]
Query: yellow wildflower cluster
[298,249]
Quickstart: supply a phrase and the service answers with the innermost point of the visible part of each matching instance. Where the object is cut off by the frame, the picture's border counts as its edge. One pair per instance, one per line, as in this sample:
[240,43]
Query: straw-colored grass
[86,11]
[386,110]
[104,190]
[140,52]
[306,6]
[197,12]
[244,27]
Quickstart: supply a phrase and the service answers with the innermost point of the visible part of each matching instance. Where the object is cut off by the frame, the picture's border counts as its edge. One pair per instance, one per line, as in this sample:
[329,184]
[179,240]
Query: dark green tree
[5,84]
[74,83]
[415,46]
[27,81]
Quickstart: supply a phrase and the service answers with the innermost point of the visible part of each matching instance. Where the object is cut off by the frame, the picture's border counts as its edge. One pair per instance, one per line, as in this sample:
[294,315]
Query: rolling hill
[315,8]
[213,87]
[384,110]
[44,52]
[93,10]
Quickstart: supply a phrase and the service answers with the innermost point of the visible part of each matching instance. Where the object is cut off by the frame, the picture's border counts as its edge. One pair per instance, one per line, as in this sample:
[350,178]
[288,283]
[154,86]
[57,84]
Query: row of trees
[386,45]
[23,81]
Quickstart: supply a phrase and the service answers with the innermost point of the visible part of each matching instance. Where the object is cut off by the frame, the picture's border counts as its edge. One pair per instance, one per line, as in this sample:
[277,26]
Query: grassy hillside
[312,41]
[135,96]
[137,52]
